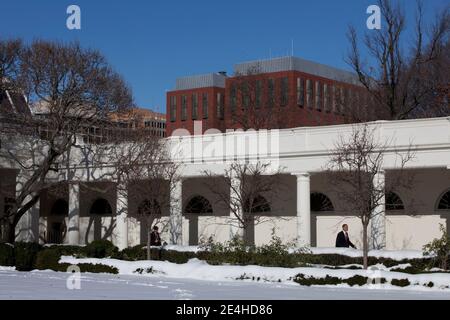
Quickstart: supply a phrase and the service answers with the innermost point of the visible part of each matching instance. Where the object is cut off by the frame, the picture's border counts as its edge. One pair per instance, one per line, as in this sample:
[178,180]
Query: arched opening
[444,201]
[320,202]
[100,207]
[60,208]
[197,205]
[56,227]
[394,202]
[320,205]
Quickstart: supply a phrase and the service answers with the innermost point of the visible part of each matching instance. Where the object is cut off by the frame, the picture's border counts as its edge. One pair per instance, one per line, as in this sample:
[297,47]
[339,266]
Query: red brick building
[278,93]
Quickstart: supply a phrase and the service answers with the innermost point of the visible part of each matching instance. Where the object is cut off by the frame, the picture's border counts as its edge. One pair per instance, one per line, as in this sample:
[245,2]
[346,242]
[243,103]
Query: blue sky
[151,43]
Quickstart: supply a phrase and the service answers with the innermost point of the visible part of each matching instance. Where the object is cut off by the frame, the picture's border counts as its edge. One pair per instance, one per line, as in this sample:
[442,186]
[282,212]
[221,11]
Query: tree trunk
[148,244]
[365,247]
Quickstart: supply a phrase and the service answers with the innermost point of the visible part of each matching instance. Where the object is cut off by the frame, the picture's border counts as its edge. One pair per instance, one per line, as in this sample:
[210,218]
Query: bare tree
[10,51]
[146,175]
[404,78]
[247,191]
[353,171]
[72,91]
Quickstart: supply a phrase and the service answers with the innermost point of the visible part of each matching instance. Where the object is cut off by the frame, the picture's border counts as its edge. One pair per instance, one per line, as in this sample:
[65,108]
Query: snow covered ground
[200,270]
[51,285]
[199,280]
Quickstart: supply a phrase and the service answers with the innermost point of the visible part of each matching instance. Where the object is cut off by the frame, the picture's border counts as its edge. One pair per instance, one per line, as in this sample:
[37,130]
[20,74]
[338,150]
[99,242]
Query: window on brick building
[333,97]
[245,95]
[173,108]
[318,91]
[183,108]
[205,105]
[284,91]
[326,98]
[233,101]
[309,93]
[340,100]
[220,111]
[194,106]
[300,92]
[345,101]
[270,92]
[258,93]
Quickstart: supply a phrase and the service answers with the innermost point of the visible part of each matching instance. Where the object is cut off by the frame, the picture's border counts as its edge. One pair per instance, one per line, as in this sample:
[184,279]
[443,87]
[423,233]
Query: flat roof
[291,63]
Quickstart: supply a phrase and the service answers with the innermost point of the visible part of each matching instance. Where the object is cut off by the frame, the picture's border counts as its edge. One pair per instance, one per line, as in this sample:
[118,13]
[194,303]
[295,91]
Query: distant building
[139,118]
[298,91]
[132,119]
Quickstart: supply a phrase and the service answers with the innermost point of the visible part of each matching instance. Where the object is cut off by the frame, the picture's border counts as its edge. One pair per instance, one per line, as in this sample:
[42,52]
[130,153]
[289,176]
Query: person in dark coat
[155,239]
[343,240]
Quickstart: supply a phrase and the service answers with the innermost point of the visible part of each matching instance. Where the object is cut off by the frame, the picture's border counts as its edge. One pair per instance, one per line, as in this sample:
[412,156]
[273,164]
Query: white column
[176,213]
[73,228]
[303,209]
[121,231]
[237,213]
[378,221]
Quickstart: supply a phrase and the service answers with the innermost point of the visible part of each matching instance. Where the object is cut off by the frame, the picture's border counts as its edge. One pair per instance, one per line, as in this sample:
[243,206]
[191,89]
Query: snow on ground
[200,270]
[393,254]
[52,285]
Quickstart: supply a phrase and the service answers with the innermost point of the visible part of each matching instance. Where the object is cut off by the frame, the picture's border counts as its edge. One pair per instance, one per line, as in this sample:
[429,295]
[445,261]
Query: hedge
[25,254]
[7,258]
[355,280]
[101,249]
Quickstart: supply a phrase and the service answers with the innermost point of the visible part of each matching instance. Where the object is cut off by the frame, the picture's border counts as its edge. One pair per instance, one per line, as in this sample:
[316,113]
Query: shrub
[439,249]
[97,268]
[134,253]
[141,270]
[237,253]
[101,249]
[356,280]
[48,259]
[6,255]
[25,255]
[400,282]
[175,256]
[309,281]
[63,250]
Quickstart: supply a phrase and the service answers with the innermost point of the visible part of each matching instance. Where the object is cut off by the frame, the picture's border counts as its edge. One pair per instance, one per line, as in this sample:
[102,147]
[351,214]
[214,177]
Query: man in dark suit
[343,240]
[155,239]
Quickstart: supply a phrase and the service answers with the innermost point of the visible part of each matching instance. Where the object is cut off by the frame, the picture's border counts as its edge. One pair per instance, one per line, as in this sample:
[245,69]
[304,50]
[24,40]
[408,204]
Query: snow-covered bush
[400,282]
